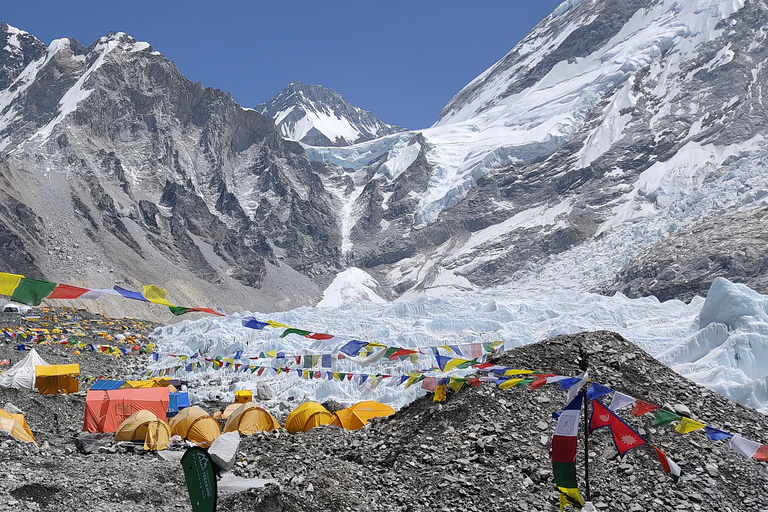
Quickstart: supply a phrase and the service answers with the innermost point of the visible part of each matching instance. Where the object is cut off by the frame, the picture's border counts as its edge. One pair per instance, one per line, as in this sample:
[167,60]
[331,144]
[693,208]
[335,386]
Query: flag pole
[583,366]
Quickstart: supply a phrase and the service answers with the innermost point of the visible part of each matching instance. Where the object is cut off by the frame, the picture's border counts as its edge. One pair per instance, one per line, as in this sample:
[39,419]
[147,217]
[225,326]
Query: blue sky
[402,60]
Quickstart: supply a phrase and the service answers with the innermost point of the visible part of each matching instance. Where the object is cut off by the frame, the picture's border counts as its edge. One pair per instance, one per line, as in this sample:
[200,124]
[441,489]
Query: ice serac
[319,116]
[116,169]
[608,127]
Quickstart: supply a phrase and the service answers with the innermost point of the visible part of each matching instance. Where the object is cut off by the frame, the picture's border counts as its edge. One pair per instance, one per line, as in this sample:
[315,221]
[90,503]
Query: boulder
[223,450]
[85,442]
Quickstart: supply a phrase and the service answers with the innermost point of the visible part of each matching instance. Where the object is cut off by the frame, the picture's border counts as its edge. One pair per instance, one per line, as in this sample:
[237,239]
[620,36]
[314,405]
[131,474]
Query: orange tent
[306,417]
[145,426]
[17,426]
[228,411]
[106,410]
[249,418]
[52,378]
[357,416]
[195,425]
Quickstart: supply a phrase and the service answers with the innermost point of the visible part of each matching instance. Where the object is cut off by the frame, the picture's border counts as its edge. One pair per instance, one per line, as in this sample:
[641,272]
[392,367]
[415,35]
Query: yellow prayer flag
[8,283]
[686,425]
[455,384]
[517,372]
[453,363]
[510,383]
[439,394]
[276,325]
[155,294]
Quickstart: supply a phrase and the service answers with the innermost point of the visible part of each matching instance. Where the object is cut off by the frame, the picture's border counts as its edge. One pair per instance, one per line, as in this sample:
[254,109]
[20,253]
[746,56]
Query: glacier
[717,341]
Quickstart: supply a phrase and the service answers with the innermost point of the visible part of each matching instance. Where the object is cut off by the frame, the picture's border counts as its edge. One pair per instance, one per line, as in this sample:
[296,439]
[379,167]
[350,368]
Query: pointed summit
[320,116]
[17,50]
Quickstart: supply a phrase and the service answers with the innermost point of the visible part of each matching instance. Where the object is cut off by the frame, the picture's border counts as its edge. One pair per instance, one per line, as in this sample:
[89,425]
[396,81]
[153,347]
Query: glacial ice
[719,342]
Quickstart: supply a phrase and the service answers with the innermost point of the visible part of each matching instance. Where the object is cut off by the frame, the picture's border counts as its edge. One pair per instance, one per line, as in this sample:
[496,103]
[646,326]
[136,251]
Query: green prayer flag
[178,310]
[31,291]
[664,416]
[294,331]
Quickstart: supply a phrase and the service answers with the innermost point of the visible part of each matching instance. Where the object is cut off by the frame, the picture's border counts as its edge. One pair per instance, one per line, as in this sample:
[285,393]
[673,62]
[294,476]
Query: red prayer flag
[641,408]
[761,454]
[65,291]
[319,336]
[537,383]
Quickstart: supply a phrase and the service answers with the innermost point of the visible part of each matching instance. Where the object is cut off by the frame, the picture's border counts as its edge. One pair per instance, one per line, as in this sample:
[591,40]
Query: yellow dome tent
[306,417]
[357,416]
[228,411]
[195,425]
[249,418]
[17,426]
[145,426]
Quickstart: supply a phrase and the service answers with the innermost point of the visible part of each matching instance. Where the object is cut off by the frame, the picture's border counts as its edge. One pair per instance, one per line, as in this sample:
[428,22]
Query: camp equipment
[52,378]
[243,396]
[106,410]
[17,426]
[249,418]
[306,417]
[195,425]
[145,426]
[22,374]
[358,415]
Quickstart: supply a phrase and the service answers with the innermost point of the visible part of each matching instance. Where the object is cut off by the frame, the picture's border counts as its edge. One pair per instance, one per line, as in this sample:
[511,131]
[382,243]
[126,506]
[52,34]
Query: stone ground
[483,449]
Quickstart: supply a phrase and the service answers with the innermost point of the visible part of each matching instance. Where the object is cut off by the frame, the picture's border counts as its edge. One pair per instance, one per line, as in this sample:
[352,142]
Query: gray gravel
[483,449]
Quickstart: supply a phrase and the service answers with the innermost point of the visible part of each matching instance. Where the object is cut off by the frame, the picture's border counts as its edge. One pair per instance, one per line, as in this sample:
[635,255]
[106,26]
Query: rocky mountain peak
[17,50]
[320,116]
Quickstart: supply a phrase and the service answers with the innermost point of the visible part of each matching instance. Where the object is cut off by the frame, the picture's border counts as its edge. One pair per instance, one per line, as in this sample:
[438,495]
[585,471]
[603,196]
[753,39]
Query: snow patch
[352,285]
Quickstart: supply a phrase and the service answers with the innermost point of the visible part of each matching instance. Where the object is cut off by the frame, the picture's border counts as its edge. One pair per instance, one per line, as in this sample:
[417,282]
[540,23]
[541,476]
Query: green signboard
[201,481]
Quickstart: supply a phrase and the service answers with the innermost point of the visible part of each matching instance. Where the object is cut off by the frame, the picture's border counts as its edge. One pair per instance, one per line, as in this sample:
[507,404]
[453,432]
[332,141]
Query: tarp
[145,426]
[53,378]
[306,417]
[176,402]
[358,415]
[106,410]
[107,385]
[155,382]
[17,426]
[22,374]
[249,418]
[196,426]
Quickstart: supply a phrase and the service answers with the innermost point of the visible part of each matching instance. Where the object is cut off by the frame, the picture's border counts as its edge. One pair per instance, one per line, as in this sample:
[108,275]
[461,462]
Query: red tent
[106,410]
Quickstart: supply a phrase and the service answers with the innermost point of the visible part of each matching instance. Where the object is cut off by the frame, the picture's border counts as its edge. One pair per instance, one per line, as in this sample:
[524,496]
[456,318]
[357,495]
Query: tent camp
[106,410]
[53,378]
[17,426]
[195,425]
[155,382]
[249,418]
[145,426]
[22,374]
[358,415]
[306,417]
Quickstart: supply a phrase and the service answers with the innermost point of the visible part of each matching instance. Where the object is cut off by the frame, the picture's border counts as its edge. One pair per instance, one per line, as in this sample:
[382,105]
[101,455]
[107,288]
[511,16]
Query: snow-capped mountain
[608,127]
[117,169]
[318,116]
[613,126]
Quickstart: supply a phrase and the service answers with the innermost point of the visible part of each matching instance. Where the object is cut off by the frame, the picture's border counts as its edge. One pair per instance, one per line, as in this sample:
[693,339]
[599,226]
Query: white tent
[22,374]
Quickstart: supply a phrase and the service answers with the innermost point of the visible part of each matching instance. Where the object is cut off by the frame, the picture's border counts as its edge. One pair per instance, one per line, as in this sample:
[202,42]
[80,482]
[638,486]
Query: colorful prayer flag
[687,425]
[664,416]
[32,291]
[564,443]
[620,400]
[9,282]
[670,467]
[642,407]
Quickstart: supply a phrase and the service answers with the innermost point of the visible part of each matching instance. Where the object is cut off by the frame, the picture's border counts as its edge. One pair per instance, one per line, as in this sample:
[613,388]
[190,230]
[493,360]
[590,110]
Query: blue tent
[107,385]
[177,402]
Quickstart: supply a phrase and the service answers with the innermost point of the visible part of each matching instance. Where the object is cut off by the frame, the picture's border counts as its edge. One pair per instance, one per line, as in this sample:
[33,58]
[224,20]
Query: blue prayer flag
[597,390]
